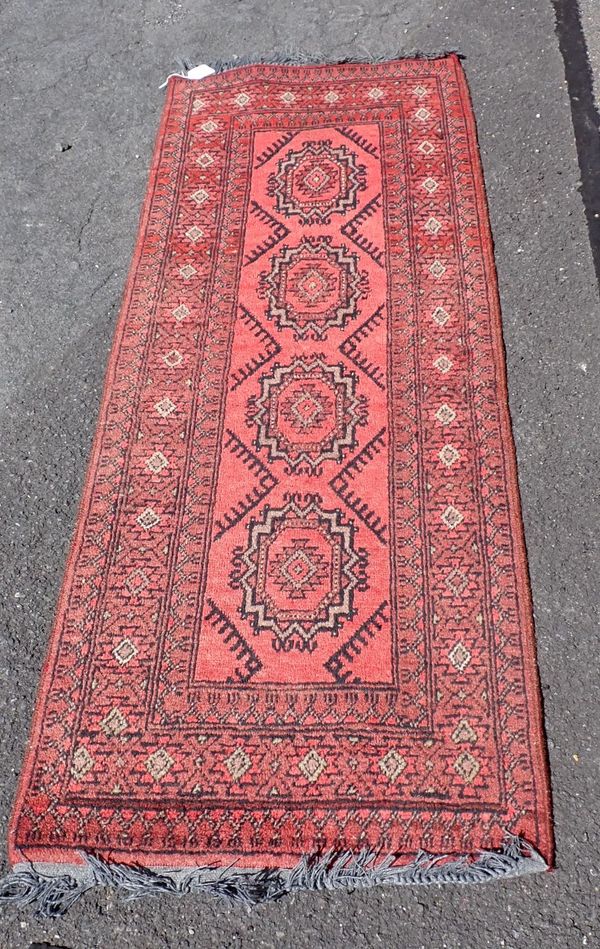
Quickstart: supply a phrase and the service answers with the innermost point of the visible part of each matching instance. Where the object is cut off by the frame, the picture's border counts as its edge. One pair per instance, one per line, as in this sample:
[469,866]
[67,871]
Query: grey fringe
[53,895]
[300,58]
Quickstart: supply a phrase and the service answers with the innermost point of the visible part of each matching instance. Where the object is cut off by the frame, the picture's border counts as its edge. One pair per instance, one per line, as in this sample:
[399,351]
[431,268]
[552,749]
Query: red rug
[295,633]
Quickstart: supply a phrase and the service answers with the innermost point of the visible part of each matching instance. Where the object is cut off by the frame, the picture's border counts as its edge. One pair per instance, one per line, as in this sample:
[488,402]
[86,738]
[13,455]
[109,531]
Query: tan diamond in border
[187,271]
[238,763]
[463,732]
[242,99]
[165,407]
[467,766]
[156,462]
[194,234]
[440,316]
[459,656]
[209,126]
[432,225]
[172,358]
[136,582]
[148,519]
[288,97]
[438,269]
[331,97]
[445,414]
[124,652]
[426,148]
[312,766]
[430,185]
[443,364]
[376,94]
[82,763]
[392,764]
[451,517]
[420,91]
[204,160]
[200,196]
[114,723]
[180,312]
[456,581]
[448,455]
[423,114]
[159,764]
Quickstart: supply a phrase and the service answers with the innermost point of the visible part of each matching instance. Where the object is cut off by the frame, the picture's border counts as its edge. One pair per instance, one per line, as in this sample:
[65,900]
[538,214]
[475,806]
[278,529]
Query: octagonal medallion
[317,181]
[299,573]
[307,414]
[313,287]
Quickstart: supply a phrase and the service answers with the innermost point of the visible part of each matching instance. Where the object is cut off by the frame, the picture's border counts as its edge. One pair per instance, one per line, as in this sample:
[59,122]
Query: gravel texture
[80,108]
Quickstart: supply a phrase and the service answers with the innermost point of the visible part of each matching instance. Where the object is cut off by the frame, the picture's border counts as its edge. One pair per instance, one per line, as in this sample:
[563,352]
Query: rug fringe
[53,895]
[300,58]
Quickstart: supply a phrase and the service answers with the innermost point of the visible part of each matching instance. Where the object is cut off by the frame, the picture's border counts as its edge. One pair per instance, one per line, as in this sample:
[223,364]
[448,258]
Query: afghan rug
[294,646]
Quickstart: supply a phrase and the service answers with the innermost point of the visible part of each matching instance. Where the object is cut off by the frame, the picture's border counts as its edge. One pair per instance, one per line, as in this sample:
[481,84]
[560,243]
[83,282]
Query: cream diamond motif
[82,763]
[204,160]
[420,91]
[180,312]
[288,97]
[451,517]
[331,97]
[156,462]
[437,269]
[423,114]
[242,99]
[165,407]
[198,104]
[448,455]
[148,519]
[443,364]
[114,723]
[459,656]
[124,652]
[445,414]
[200,196]
[467,766]
[430,185]
[187,271]
[376,94]
[312,766]
[433,225]
[238,763]
[194,233]
[456,581]
[136,582]
[426,148]
[209,126]
[463,732]
[392,764]
[172,358]
[159,764]
[440,315]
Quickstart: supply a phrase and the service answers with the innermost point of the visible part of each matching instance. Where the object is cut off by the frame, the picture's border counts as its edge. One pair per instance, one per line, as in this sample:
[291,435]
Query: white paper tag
[200,72]
[197,72]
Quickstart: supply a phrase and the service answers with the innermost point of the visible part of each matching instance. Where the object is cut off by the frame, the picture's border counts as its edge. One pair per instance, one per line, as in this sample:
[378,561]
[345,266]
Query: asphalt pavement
[79,110]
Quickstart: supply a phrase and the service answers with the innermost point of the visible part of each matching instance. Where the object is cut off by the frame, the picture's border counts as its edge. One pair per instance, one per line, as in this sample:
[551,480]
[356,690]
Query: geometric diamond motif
[238,763]
[392,764]
[445,414]
[124,652]
[114,723]
[312,766]
[451,517]
[159,764]
[467,767]
[459,656]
